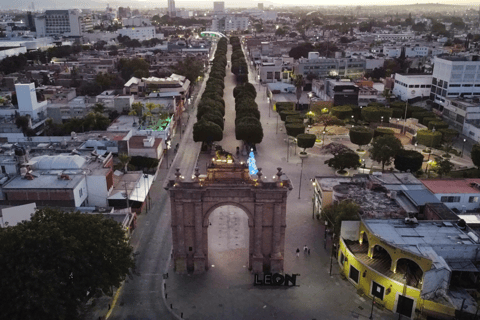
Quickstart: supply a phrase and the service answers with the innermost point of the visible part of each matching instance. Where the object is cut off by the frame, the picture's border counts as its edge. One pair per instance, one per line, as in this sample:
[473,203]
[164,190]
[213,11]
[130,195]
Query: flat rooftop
[47,180]
[425,233]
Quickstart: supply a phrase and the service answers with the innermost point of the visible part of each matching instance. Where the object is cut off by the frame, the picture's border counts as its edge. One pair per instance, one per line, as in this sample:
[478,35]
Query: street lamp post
[430,153]
[145,177]
[371,312]
[323,141]
[381,119]
[300,184]
[288,146]
[463,146]
[353,120]
[405,119]
[416,144]
[276,128]
[268,100]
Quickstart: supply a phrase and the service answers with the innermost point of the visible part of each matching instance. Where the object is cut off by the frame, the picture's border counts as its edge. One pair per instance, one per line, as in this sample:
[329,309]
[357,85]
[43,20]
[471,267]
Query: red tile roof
[451,185]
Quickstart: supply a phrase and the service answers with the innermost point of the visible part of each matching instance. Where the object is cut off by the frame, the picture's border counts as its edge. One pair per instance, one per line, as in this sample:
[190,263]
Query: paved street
[226,291]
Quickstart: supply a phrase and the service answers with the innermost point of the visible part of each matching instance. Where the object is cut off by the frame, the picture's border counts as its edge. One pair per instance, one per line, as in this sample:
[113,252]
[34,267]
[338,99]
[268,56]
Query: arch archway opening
[229,239]
[411,272]
[364,244]
[382,255]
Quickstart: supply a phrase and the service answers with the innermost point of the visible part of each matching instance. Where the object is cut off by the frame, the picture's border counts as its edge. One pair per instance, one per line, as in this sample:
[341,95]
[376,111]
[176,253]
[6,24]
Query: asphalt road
[141,296]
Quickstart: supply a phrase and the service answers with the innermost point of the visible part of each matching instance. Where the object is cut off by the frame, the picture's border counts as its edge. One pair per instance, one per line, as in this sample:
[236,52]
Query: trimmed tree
[437,125]
[344,160]
[285,113]
[379,132]
[408,160]
[448,135]
[360,136]
[294,119]
[249,130]
[475,155]
[306,140]
[427,120]
[342,112]
[384,149]
[374,114]
[207,132]
[429,138]
[294,129]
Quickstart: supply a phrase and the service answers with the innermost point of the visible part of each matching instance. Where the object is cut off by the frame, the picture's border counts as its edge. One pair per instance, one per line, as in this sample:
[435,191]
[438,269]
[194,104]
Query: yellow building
[407,265]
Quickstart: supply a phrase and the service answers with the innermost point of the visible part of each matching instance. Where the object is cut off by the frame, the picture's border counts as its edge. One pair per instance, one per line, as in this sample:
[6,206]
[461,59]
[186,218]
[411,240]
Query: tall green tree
[443,167]
[190,67]
[384,149]
[347,159]
[133,67]
[343,211]
[475,155]
[56,262]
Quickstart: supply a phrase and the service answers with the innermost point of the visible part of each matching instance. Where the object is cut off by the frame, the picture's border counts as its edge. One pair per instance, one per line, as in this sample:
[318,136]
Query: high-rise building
[260,6]
[219,7]
[59,22]
[171,8]
[455,76]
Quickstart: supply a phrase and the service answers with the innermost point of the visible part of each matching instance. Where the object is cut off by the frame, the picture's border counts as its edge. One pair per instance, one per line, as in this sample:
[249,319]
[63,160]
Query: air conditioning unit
[411,221]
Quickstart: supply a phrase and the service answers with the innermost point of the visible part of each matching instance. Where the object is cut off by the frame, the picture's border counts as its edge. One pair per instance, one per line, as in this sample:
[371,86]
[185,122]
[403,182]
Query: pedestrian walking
[298,252]
[305,249]
[308,251]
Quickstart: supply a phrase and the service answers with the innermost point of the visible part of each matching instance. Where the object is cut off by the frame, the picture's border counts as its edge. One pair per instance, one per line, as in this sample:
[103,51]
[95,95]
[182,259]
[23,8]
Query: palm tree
[150,107]
[137,110]
[299,82]
[124,160]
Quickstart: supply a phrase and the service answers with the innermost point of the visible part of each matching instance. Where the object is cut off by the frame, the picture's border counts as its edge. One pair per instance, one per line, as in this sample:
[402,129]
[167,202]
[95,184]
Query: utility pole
[126,193]
[300,184]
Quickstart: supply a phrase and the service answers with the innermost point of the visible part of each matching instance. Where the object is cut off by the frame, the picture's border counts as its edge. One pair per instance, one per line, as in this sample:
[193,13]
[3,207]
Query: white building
[219,7]
[455,76]
[410,86]
[171,8]
[59,22]
[230,23]
[138,33]
[394,36]
[27,101]
[136,22]
[458,194]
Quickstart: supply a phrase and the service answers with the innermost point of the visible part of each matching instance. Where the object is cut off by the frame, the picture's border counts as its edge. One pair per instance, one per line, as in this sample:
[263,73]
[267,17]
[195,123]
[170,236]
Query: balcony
[406,270]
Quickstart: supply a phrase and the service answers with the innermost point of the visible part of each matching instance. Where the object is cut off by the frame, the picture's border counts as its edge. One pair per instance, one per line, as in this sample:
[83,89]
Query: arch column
[277,256]
[393,267]
[370,251]
[180,256]
[257,263]
[199,256]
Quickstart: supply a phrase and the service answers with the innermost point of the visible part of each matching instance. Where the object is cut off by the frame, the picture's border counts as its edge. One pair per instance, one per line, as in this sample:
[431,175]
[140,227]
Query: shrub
[374,114]
[342,112]
[280,106]
[427,120]
[285,113]
[437,125]
[382,131]
[294,119]
[361,136]
[429,138]
[408,160]
[306,140]
[294,129]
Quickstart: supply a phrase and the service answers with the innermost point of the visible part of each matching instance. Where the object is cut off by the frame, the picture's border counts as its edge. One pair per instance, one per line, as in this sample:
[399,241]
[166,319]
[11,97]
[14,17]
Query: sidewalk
[228,293]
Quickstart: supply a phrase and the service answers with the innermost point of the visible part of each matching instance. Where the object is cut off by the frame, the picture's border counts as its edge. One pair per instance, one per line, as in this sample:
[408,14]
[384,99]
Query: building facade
[327,67]
[60,22]
[138,33]
[411,86]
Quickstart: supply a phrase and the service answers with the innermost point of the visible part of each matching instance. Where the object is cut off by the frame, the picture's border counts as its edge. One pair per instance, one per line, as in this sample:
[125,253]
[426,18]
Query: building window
[473,199]
[80,192]
[354,274]
[269,75]
[450,199]
[377,290]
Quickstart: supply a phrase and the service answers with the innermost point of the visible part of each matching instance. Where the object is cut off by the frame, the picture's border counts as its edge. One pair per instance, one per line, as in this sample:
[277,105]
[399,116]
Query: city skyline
[205,4]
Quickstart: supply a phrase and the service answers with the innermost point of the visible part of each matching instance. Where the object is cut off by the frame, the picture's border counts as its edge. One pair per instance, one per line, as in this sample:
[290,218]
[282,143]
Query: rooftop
[44,180]
[452,185]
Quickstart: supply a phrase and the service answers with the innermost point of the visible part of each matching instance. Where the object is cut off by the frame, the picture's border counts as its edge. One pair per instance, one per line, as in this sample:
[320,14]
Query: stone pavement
[226,291]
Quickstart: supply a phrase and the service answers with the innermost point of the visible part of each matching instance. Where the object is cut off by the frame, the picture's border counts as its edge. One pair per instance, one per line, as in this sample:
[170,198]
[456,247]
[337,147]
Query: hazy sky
[62,4]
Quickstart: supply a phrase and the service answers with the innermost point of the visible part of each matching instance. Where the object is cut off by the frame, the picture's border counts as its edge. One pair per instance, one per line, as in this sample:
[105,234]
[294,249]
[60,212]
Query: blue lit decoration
[252,166]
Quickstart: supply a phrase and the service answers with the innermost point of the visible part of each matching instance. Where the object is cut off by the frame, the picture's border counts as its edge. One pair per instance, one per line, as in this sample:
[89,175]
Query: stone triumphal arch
[263,201]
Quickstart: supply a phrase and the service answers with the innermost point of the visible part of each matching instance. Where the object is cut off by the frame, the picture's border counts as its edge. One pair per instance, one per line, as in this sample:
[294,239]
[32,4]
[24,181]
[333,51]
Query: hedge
[408,160]
[285,113]
[294,129]
[294,119]
[426,121]
[379,132]
[280,106]
[360,136]
[437,125]
[342,112]
[374,114]
[428,138]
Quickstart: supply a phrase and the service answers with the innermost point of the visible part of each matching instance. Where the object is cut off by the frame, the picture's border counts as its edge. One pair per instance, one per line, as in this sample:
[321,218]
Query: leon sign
[275,279]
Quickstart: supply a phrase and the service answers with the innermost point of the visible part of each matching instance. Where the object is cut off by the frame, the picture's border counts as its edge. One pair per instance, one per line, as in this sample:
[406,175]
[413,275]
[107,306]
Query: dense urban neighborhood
[256,162]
